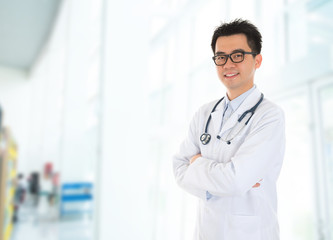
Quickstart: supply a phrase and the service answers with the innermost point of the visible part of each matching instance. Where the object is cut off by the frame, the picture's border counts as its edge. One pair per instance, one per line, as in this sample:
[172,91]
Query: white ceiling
[25,26]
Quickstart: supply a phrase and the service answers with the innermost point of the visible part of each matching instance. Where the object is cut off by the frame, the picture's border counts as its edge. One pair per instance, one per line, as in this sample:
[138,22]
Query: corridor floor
[32,225]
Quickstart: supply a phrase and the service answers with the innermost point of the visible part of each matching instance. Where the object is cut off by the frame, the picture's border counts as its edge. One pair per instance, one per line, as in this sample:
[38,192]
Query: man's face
[237,77]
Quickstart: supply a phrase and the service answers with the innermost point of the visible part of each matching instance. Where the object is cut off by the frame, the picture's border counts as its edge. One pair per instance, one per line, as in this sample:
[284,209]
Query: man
[233,153]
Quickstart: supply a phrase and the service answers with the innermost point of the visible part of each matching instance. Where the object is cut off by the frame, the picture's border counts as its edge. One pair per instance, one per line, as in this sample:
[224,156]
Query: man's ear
[258,60]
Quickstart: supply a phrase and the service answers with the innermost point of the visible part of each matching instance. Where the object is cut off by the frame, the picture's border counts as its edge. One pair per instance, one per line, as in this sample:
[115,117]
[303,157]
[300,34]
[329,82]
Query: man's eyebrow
[238,50]
[233,51]
[219,53]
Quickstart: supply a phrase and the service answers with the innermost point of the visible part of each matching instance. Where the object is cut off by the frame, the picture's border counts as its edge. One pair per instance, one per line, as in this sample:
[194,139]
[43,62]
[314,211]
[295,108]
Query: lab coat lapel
[248,103]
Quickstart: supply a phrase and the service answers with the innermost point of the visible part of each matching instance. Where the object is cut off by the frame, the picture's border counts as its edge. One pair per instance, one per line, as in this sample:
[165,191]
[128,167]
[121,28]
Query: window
[296,193]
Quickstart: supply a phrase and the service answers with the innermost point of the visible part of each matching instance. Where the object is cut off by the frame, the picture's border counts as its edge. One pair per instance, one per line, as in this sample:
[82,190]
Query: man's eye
[220,57]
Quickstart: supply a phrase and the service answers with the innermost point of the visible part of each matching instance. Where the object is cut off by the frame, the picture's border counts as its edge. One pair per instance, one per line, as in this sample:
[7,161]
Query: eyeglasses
[235,57]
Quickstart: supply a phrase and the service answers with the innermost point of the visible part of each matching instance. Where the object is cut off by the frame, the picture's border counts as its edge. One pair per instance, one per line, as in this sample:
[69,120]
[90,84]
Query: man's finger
[256,185]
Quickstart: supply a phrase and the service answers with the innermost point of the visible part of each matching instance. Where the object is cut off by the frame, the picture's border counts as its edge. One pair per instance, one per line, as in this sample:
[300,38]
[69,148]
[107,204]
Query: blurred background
[97,95]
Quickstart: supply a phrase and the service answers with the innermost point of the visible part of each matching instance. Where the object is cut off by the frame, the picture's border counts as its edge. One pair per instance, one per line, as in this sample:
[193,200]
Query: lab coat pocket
[243,227]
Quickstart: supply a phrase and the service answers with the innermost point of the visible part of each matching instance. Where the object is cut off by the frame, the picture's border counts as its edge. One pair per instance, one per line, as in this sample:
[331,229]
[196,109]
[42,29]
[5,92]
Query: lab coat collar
[248,103]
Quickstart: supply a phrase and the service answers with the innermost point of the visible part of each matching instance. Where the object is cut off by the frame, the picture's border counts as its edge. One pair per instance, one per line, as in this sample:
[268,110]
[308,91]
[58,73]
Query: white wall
[124,211]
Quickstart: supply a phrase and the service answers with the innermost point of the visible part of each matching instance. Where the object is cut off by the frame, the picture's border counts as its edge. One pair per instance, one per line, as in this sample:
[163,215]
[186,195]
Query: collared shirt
[231,106]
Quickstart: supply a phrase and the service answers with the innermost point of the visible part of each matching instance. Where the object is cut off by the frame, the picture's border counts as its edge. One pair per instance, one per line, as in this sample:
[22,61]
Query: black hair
[239,26]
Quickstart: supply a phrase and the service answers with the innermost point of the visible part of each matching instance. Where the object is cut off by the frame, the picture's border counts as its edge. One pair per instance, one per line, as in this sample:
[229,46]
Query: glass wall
[326,99]
[296,189]
[323,93]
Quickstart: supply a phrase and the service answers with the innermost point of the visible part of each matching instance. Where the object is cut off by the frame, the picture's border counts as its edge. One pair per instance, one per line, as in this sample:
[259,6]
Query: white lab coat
[236,211]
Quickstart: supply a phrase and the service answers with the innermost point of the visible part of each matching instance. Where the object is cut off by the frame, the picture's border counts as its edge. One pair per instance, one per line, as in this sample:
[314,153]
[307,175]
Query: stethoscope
[205,137]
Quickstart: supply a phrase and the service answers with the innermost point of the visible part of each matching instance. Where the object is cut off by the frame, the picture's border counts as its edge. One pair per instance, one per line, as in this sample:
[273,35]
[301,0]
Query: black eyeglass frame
[229,56]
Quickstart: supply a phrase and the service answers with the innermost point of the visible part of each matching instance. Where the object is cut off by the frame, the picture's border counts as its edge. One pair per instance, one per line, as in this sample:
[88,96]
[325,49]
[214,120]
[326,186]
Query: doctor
[232,156]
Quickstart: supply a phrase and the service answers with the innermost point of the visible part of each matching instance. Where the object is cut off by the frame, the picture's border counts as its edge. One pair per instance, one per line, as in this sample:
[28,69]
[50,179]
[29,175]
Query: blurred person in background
[34,187]
[21,186]
[232,156]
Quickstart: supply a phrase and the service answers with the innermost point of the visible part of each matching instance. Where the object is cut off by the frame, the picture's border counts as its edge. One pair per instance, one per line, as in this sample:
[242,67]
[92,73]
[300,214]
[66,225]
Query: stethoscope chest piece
[205,138]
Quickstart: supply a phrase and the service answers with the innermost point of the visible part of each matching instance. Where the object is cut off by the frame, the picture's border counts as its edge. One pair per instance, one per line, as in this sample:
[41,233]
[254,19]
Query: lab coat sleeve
[181,161]
[259,156]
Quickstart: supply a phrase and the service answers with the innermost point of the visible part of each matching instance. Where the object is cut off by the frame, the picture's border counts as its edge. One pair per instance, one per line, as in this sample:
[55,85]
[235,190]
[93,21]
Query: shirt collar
[235,103]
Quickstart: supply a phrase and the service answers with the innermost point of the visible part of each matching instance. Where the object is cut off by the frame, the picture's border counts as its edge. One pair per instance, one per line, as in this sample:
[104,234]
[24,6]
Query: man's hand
[195,158]
[257,184]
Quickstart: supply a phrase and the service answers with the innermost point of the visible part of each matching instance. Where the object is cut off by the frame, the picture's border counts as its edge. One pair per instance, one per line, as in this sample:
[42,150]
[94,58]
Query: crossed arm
[260,154]
[199,155]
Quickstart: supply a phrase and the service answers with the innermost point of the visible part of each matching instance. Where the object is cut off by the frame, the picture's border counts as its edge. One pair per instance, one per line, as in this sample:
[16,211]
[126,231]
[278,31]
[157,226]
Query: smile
[231,75]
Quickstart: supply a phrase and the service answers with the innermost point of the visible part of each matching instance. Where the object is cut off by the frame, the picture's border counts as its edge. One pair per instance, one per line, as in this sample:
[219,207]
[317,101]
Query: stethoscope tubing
[210,115]
[205,137]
